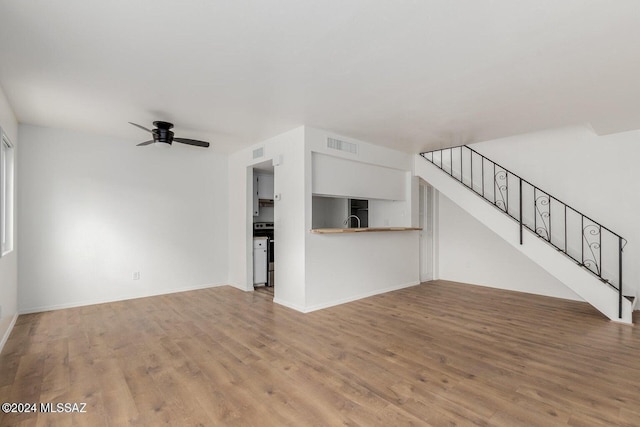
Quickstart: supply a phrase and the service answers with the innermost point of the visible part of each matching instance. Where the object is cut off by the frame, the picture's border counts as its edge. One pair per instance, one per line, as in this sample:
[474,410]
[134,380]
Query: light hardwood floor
[440,353]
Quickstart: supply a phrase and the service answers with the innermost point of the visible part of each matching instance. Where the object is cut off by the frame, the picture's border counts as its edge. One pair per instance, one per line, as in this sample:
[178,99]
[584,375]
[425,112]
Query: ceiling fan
[163,134]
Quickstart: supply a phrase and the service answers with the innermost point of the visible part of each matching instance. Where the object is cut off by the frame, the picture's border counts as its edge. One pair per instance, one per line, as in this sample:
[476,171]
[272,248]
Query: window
[6,194]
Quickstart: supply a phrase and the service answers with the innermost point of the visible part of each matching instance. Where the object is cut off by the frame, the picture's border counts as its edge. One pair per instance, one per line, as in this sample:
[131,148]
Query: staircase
[580,252]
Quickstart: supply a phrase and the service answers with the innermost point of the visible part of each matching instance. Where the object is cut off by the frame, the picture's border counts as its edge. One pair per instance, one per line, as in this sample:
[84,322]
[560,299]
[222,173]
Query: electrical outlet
[136,275]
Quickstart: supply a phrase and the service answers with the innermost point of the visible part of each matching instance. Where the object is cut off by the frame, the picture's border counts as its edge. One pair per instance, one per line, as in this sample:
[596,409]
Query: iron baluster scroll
[590,244]
[501,182]
[543,211]
[592,258]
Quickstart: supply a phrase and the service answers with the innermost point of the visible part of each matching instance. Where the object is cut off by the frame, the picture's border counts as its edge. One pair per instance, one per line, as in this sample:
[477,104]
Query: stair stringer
[600,295]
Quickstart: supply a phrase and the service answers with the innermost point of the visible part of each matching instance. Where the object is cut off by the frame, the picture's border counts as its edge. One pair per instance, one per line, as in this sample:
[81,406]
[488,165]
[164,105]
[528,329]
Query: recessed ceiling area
[410,75]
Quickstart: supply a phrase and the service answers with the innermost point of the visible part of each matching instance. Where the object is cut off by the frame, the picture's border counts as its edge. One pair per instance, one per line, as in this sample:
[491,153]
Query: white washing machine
[260,261]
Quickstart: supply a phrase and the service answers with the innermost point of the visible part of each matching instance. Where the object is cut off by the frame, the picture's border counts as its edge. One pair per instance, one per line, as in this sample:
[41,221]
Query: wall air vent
[336,144]
[258,152]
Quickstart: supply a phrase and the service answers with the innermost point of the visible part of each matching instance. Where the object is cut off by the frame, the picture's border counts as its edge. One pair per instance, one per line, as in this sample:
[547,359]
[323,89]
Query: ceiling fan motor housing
[162,132]
[161,135]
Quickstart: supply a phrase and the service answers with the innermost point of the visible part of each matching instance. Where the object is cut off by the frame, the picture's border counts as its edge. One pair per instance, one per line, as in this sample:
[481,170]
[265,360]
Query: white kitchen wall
[597,175]
[265,214]
[240,202]
[312,272]
[289,216]
[469,252]
[9,262]
[95,209]
[389,213]
[345,267]
[329,212]
[289,219]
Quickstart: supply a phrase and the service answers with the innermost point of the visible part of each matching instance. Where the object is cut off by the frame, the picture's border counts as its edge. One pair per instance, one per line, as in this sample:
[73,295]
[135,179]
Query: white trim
[428,222]
[240,287]
[1,191]
[289,305]
[346,300]
[435,206]
[9,150]
[116,299]
[8,332]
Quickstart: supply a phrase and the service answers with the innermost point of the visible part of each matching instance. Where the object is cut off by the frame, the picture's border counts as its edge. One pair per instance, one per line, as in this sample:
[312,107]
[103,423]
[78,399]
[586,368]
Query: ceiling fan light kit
[163,136]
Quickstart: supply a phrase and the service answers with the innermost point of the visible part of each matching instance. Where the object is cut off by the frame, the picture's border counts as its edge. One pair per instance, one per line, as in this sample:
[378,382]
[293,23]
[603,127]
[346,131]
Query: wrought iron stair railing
[590,244]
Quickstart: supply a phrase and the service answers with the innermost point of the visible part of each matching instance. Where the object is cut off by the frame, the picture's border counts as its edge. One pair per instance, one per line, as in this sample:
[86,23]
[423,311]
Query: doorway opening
[428,221]
[263,228]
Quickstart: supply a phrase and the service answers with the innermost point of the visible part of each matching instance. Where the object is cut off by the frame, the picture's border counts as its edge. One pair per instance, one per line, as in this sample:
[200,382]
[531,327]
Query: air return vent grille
[336,144]
[258,152]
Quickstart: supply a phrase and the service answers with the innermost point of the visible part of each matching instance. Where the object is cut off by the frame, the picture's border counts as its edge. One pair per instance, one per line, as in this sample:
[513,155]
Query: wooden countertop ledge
[361,230]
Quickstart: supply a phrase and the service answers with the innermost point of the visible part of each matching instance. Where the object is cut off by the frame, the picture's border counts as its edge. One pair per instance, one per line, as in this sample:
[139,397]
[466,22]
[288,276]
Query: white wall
[240,217]
[389,213]
[9,262]
[312,272]
[289,216]
[598,175]
[350,266]
[345,267]
[469,252]
[329,212]
[289,220]
[95,209]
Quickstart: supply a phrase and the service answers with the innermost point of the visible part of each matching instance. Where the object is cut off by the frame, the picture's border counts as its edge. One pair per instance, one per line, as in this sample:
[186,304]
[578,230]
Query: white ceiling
[406,74]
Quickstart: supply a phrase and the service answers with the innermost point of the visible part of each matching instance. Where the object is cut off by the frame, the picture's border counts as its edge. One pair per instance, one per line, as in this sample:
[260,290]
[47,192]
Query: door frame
[428,240]
[252,170]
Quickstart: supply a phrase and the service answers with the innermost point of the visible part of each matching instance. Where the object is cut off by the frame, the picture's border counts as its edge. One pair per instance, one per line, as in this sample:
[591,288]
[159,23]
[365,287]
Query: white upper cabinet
[335,176]
[262,189]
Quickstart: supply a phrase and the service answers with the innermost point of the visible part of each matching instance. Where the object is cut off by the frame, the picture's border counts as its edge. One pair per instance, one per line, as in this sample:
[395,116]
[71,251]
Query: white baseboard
[121,298]
[5,337]
[242,288]
[289,305]
[346,300]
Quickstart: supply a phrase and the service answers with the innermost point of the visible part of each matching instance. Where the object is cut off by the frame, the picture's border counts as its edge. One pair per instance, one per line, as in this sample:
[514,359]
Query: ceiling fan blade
[141,127]
[192,142]
[145,143]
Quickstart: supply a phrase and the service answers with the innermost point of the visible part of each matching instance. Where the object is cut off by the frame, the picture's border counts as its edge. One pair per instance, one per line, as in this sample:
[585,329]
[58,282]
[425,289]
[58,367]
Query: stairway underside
[593,289]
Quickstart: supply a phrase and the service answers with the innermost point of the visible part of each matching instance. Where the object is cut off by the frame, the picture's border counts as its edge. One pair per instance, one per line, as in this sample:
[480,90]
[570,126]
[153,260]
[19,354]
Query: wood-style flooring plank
[437,354]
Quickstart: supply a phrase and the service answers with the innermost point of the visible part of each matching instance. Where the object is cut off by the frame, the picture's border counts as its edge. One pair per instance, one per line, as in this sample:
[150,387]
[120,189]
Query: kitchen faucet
[352,216]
